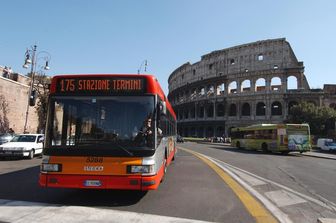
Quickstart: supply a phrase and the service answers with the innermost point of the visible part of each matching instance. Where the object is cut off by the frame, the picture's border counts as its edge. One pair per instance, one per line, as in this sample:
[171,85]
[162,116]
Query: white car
[326,144]
[23,145]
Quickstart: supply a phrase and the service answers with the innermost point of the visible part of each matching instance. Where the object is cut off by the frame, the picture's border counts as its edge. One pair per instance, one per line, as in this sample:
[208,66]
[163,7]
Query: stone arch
[290,105]
[246,109]
[276,84]
[210,110]
[193,132]
[200,132]
[220,110]
[246,86]
[260,84]
[186,94]
[201,111]
[220,131]
[209,131]
[232,89]
[193,93]
[186,113]
[202,91]
[292,82]
[210,90]
[220,89]
[186,132]
[276,108]
[180,114]
[233,110]
[261,109]
[192,112]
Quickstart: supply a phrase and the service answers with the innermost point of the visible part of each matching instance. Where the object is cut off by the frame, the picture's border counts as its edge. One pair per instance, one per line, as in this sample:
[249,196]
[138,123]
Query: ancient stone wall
[16,94]
[239,86]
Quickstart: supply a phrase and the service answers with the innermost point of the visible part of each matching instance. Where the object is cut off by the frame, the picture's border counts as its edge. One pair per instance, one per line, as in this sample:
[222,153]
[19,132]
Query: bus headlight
[144,169]
[48,167]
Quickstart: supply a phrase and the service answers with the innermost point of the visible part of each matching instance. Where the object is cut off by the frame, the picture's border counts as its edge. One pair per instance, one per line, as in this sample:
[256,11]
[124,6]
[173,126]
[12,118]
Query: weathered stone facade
[239,86]
[15,89]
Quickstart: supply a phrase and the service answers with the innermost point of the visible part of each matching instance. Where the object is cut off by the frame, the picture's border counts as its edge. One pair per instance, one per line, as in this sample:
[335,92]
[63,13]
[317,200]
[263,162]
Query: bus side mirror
[162,107]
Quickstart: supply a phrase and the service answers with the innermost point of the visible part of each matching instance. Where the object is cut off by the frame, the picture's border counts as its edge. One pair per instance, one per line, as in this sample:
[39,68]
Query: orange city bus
[107,131]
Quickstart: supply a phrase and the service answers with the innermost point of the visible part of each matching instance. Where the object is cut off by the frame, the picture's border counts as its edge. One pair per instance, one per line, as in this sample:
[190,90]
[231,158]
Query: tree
[320,119]
[42,87]
[4,122]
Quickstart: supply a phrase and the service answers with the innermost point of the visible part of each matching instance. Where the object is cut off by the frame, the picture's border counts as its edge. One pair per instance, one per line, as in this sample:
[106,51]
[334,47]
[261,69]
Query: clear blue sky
[107,36]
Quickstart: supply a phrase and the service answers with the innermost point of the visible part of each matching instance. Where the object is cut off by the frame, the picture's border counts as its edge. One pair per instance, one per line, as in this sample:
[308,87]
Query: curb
[319,156]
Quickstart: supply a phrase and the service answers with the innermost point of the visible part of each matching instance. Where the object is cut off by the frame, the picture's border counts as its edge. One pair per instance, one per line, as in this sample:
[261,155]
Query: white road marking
[280,215]
[283,198]
[324,203]
[250,180]
[21,212]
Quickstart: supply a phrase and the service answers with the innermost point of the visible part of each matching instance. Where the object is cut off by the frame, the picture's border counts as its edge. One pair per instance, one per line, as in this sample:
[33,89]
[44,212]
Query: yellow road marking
[254,207]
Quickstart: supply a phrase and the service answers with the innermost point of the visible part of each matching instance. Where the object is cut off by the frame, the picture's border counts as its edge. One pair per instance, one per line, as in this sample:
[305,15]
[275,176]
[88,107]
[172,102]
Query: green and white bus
[282,138]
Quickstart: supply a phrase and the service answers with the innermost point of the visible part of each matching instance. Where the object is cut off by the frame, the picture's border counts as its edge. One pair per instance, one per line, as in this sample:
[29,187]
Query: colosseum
[247,84]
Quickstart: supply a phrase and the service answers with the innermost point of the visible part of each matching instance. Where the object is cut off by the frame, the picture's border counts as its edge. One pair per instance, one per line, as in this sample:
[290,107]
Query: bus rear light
[143,169]
[48,167]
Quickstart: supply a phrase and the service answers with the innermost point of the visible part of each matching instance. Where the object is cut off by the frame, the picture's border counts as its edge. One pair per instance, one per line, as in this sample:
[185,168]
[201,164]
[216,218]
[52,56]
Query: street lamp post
[31,58]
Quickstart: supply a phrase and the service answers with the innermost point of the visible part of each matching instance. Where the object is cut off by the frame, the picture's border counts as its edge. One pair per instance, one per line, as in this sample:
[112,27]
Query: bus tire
[238,145]
[284,152]
[264,148]
[165,167]
[164,170]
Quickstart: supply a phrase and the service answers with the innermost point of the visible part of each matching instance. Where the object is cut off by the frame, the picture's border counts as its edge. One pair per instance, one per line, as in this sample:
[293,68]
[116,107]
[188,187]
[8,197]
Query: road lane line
[254,207]
[249,179]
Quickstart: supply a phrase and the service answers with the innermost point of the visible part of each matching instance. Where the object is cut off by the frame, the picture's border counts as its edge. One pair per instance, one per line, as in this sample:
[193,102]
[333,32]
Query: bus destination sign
[101,85]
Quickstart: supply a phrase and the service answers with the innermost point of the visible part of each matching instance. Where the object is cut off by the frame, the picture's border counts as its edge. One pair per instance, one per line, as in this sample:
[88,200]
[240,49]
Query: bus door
[298,139]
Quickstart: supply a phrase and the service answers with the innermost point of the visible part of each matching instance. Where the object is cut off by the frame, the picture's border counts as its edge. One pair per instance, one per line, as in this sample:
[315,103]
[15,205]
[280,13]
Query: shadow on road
[23,186]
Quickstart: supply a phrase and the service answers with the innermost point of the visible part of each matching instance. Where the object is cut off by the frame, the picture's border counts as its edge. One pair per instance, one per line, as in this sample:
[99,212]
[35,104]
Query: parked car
[23,145]
[6,137]
[179,139]
[326,144]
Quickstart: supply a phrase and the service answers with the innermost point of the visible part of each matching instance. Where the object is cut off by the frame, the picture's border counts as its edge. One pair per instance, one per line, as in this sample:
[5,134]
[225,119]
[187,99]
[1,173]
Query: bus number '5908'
[93,159]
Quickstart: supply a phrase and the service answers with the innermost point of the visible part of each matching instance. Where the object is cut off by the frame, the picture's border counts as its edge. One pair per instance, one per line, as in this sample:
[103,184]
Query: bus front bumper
[135,182]
[99,182]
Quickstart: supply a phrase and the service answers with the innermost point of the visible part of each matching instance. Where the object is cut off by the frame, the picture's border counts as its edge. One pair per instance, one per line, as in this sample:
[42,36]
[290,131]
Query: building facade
[239,86]
[14,89]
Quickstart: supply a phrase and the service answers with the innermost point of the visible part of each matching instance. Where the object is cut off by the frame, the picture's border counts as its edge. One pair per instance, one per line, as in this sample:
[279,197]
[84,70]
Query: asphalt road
[294,187]
[302,187]
[190,190]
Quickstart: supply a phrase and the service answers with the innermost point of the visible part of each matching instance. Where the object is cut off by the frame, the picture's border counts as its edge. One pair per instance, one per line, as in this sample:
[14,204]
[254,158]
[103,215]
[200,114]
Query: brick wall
[16,94]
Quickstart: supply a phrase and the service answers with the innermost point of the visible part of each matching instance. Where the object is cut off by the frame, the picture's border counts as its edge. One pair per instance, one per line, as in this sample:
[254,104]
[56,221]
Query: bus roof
[152,84]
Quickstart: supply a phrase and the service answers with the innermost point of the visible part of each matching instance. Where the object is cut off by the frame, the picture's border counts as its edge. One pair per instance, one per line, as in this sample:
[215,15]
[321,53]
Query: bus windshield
[100,123]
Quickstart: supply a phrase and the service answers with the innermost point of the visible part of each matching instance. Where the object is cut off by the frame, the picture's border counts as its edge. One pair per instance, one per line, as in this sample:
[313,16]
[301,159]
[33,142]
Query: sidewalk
[320,155]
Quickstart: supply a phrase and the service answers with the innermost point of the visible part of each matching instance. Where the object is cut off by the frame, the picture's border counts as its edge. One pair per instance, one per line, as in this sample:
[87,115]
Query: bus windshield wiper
[124,149]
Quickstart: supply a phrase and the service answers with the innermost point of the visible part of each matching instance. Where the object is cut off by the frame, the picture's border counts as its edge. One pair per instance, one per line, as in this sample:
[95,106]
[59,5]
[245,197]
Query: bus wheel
[264,148]
[164,170]
[238,145]
[284,152]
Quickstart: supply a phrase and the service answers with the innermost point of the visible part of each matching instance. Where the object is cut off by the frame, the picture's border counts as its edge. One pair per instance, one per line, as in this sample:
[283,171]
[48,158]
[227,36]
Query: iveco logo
[93,168]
